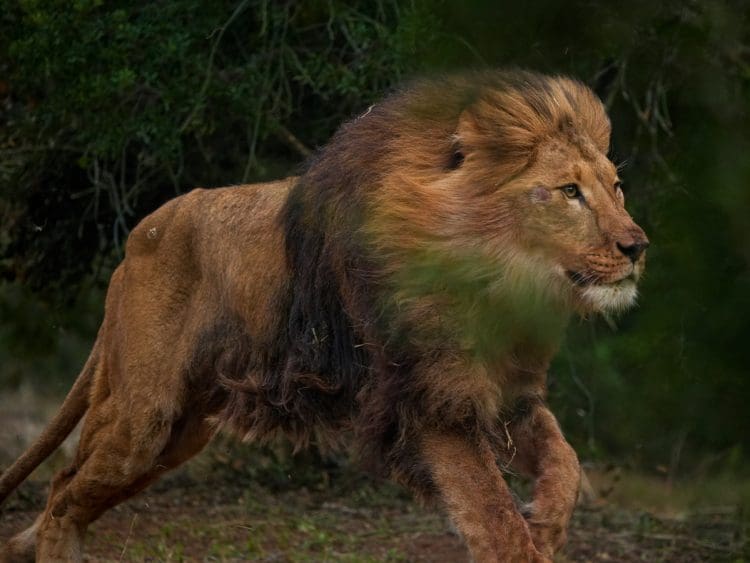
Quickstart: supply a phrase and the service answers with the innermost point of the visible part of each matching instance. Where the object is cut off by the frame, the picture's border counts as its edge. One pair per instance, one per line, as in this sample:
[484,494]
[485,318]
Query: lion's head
[512,167]
[547,141]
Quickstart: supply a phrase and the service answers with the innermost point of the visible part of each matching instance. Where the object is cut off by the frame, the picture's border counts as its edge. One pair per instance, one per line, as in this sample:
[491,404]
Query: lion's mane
[347,345]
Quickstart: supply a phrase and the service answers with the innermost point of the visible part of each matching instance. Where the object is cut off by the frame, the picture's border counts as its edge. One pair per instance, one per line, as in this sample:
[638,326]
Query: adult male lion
[409,289]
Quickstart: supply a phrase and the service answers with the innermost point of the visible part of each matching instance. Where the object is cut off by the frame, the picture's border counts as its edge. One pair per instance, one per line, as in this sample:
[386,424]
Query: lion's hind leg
[117,457]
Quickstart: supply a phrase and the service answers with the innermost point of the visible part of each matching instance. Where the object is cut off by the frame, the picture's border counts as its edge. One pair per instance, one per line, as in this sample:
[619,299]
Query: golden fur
[409,290]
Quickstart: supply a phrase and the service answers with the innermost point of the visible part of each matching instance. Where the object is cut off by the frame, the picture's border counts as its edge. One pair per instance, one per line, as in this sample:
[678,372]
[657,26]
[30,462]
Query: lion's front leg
[478,499]
[541,452]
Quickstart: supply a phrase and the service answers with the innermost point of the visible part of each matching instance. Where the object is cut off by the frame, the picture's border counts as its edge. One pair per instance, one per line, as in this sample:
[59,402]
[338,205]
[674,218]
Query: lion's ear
[468,131]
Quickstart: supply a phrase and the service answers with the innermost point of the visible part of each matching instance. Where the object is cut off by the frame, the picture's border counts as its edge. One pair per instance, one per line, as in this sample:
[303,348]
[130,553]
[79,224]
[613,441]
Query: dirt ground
[215,509]
[183,520]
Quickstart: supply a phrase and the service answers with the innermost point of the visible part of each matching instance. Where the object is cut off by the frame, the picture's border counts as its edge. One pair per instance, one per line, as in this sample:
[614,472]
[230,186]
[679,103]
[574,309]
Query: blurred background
[109,109]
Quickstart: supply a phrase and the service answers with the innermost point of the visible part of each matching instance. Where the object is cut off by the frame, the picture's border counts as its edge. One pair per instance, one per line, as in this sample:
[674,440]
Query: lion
[404,295]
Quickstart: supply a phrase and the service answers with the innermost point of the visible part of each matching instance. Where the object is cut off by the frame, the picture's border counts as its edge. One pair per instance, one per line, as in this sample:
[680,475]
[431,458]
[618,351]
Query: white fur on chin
[610,298]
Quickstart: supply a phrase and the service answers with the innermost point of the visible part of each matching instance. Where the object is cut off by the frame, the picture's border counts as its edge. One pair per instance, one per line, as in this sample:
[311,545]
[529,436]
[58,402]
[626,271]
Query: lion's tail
[72,410]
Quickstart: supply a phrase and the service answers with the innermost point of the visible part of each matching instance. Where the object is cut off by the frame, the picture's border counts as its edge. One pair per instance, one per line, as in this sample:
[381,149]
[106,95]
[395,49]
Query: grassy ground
[182,519]
[231,504]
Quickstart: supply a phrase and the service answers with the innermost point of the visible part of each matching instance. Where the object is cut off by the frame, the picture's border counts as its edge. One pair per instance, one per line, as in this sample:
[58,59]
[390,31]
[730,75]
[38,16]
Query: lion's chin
[610,298]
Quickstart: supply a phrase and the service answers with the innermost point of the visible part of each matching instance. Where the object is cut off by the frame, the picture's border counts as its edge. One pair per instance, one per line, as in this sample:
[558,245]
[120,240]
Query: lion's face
[572,217]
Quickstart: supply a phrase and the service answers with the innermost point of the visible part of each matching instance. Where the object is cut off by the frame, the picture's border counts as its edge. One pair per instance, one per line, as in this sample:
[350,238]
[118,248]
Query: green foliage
[41,340]
[113,108]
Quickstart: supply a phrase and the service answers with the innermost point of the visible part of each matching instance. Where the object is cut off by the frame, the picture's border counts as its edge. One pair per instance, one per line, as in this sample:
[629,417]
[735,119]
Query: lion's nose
[633,248]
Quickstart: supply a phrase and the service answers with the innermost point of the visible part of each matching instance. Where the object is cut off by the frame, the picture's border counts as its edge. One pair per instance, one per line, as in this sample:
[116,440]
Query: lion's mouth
[586,279]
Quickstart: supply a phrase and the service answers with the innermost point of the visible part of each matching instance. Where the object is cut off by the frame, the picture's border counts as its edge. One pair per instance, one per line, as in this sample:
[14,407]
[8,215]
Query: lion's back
[200,220]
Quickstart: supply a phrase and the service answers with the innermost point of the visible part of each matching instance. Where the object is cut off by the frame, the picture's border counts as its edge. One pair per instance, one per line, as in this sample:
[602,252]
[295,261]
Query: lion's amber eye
[571,191]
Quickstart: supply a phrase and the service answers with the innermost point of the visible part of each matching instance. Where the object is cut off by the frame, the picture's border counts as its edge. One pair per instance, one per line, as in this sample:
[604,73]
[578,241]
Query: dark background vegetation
[109,109]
